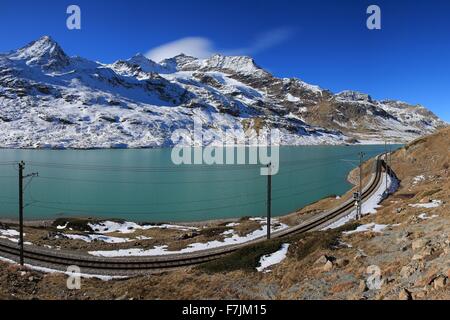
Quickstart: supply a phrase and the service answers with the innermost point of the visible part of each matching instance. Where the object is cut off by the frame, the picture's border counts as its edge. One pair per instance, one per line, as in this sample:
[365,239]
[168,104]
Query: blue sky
[322,42]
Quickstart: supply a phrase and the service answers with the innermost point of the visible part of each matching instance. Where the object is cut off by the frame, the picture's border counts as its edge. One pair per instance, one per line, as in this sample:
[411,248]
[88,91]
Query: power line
[42,204]
[193,167]
[308,190]
[199,211]
[344,155]
[181,182]
[275,190]
[148,183]
[8,163]
[134,204]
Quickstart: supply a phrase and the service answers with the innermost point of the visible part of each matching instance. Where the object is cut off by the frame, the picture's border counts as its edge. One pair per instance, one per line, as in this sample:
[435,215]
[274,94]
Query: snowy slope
[51,100]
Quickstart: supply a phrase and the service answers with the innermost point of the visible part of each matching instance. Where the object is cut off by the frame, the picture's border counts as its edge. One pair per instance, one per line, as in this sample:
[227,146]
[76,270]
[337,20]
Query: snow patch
[370,205]
[130,227]
[232,239]
[429,205]
[232,224]
[418,179]
[424,216]
[12,235]
[273,258]
[62,227]
[95,237]
[9,233]
[373,227]
[291,98]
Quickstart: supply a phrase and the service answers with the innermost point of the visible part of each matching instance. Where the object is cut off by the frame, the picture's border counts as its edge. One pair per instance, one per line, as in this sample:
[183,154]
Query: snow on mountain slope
[50,100]
[238,64]
[43,52]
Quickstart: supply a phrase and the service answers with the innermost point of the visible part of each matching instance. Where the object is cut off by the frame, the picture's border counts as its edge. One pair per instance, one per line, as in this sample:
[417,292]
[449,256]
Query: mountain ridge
[51,100]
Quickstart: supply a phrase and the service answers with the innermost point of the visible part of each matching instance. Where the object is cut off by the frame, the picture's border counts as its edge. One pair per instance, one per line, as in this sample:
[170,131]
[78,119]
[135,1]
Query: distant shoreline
[371,143]
[49,222]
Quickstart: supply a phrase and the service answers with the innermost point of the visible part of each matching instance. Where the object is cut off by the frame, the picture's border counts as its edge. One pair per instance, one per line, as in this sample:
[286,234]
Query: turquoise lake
[144,184]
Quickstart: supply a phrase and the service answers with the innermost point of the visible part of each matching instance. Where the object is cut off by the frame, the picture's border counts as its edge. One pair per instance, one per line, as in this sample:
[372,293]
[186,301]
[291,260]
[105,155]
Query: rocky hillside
[48,99]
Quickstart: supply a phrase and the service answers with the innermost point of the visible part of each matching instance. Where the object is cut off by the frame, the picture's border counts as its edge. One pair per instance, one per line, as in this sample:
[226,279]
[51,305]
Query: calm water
[144,185]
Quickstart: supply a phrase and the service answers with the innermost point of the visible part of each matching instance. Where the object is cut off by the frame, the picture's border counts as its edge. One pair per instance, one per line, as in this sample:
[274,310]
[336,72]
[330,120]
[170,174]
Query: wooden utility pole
[386,163]
[21,178]
[21,167]
[269,199]
[390,159]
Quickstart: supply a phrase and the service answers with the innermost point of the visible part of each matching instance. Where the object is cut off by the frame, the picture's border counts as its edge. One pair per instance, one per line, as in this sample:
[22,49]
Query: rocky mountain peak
[180,62]
[145,63]
[243,65]
[354,96]
[44,52]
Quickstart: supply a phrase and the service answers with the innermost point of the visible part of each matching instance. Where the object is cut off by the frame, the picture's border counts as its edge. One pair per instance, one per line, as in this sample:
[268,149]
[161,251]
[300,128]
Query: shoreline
[210,222]
[344,144]
[49,222]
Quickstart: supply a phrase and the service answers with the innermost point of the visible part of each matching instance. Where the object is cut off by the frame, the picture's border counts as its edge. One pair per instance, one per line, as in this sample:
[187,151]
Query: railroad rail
[61,259]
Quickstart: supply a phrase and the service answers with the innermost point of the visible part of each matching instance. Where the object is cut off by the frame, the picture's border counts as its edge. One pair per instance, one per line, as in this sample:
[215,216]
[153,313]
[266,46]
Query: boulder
[51,236]
[439,282]
[359,256]
[328,266]
[407,271]
[342,262]
[419,244]
[418,256]
[420,294]
[423,254]
[189,235]
[322,260]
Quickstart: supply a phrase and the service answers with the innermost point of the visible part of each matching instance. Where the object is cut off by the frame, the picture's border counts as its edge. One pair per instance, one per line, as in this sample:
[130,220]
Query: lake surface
[144,185]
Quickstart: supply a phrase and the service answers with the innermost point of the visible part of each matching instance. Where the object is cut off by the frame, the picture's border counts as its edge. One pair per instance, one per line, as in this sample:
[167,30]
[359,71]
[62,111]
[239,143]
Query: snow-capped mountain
[48,99]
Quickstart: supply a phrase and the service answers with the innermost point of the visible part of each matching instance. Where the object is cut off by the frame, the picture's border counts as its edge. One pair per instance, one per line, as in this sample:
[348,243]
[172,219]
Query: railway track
[44,257]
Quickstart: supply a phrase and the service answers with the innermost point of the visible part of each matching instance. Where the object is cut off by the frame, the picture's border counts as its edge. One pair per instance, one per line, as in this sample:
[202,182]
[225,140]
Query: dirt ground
[408,257]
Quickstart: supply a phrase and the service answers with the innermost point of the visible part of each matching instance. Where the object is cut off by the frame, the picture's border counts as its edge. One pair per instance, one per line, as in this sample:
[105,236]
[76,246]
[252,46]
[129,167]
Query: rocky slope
[48,99]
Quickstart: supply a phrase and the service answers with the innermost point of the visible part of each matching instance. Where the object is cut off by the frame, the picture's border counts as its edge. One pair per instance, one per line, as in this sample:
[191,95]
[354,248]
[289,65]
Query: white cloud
[201,47]
[264,42]
[192,46]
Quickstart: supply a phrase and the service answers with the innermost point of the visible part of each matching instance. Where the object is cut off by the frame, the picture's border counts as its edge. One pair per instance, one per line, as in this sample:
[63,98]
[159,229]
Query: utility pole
[21,167]
[390,159]
[359,209]
[21,178]
[386,163]
[269,199]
